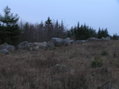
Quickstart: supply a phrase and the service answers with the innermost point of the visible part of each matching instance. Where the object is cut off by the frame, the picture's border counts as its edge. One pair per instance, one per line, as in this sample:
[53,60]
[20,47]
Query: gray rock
[38,45]
[57,41]
[93,39]
[29,47]
[4,51]
[80,41]
[106,38]
[7,47]
[43,45]
[23,45]
[67,41]
[50,45]
[60,42]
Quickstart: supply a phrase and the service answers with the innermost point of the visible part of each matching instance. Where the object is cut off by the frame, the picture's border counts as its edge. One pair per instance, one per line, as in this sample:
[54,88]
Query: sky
[94,13]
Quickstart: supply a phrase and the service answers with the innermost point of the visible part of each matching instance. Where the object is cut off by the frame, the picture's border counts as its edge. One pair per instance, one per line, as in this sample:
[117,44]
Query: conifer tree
[102,33]
[9,29]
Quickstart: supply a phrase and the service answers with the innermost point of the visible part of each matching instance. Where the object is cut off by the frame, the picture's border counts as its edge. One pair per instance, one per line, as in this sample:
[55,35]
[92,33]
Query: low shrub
[97,62]
[104,53]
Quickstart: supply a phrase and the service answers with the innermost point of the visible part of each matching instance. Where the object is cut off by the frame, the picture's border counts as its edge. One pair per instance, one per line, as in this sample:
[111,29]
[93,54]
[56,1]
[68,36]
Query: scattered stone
[57,41]
[106,38]
[93,39]
[67,41]
[23,45]
[37,45]
[34,47]
[80,41]
[61,42]
[4,51]
[8,47]
[41,44]
[50,45]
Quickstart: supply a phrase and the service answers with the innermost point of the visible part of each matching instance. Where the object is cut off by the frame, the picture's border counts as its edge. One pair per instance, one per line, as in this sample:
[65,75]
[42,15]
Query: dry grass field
[90,65]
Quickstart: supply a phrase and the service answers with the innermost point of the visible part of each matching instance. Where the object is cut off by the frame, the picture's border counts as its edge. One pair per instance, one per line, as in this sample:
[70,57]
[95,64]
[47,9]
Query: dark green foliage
[82,32]
[48,21]
[9,30]
[104,53]
[115,37]
[102,33]
[97,62]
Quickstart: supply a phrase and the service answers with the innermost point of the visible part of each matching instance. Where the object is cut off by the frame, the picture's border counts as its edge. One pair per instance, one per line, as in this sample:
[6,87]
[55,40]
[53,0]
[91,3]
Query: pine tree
[102,33]
[48,21]
[115,37]
[82,32]
[49,28]
[9,29]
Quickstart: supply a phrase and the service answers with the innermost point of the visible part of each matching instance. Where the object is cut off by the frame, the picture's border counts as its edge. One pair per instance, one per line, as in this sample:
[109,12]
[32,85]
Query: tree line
[12,31]
[83,32]
[43,31]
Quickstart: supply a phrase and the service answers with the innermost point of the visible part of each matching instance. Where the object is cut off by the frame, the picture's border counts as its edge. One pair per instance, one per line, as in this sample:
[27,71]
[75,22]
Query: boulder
[67,41]
[57,41]
[7,47]
[80,41]
[106,38]
[93,39]
[38,45]
[50,45]
[60,42]
[4,51]
[23,45]
[43,44]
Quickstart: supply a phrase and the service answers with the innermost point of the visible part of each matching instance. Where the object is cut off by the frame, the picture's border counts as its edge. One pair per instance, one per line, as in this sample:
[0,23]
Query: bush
[104,53]
[97,62]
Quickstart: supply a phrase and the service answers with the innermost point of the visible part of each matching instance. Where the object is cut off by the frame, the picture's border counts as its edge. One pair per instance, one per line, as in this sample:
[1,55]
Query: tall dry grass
[67,67]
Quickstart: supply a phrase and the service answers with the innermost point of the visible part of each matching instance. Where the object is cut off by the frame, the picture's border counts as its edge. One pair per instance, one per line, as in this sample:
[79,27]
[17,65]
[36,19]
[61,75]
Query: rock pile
[60,42]
[54,42]
[6,48]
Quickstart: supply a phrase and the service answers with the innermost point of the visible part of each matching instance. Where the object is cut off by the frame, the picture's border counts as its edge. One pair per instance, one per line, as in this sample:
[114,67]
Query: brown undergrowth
[67,67]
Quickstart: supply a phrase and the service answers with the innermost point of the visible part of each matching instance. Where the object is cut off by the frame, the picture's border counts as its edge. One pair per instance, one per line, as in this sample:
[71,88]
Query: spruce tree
[9,29]
[82,32]
[49,27]
[102,33]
